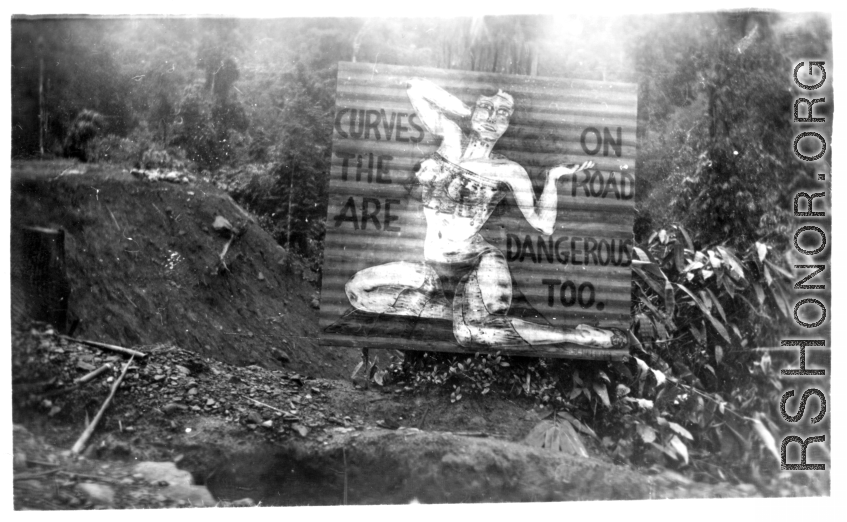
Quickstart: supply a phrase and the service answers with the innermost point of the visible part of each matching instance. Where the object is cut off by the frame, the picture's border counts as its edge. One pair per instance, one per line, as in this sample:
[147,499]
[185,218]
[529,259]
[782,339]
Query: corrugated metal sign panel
[578,275]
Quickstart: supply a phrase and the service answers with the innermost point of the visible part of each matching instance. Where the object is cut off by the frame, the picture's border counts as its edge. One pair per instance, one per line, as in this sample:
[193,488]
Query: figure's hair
[500,93]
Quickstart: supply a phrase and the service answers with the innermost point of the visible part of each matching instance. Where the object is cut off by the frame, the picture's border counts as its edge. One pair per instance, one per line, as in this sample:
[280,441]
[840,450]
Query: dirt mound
[398,467]
[143,262]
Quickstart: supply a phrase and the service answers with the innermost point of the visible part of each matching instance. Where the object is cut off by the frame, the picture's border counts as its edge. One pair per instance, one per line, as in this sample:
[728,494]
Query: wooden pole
[290,196]
[83,439]
[366,361]
[265,405]
[41,96]
[105,346]
[87,377]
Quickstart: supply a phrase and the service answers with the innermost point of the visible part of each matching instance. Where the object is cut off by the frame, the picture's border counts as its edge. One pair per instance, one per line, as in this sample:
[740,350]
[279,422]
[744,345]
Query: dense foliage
[697,389]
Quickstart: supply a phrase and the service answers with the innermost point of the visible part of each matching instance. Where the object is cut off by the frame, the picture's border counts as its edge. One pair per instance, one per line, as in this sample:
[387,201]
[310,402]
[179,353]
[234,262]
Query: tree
[79,73]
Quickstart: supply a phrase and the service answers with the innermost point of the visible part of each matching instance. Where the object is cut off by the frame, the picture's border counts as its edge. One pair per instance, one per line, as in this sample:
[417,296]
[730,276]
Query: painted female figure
[462,184]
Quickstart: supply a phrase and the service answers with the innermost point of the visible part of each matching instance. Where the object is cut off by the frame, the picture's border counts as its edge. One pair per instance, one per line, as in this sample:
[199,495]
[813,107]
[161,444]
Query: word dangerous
[573,250]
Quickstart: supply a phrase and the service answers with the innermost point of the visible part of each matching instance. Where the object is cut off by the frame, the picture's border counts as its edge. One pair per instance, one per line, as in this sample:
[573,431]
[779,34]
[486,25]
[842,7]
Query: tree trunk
[533,58]
[40,287]
[41,97]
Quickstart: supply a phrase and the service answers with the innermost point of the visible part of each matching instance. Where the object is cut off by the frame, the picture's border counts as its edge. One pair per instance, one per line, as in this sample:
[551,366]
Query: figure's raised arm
[541,215]
[437,110]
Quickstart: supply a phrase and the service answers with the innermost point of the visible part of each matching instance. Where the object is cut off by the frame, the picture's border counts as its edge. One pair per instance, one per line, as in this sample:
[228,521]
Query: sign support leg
[367,365]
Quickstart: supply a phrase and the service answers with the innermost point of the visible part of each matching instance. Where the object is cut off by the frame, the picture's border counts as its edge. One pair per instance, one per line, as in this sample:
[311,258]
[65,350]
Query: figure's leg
[400,288]
[482,300]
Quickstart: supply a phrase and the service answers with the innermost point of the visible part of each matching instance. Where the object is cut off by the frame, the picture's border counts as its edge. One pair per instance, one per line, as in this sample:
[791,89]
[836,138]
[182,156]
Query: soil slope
[143,262]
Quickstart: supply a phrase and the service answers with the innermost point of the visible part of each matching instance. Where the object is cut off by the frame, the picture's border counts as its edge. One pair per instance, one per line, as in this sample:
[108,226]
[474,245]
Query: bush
[79,139]
[694,386]
[157,157]
[115,149]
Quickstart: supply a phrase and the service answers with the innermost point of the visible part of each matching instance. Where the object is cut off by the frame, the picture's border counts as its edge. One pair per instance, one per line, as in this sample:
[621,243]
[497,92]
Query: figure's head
[491,114]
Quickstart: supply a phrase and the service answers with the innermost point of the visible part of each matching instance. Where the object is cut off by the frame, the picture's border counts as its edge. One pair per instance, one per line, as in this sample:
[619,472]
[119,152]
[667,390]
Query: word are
[371,211]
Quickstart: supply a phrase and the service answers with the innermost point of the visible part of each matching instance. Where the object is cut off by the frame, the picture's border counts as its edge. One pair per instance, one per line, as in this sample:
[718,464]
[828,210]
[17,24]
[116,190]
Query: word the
[366,166]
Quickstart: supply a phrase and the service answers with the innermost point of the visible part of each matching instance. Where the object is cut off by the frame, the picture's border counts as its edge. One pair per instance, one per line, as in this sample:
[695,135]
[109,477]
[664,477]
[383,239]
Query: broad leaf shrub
[699,391]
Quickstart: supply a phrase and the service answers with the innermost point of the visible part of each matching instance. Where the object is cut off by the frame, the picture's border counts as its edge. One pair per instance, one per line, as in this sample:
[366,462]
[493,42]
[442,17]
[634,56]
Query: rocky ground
[184,430]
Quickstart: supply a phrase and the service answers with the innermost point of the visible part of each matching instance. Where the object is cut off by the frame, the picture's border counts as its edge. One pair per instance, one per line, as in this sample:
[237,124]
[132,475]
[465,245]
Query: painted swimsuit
[451,189]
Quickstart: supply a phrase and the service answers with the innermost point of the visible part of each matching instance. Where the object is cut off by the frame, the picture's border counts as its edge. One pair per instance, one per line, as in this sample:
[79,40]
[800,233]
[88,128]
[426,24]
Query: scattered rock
[67,498]
[197,496]
[261,276]
[388,424]
[155,175]
[163,471]
[32,485]
[172,407]
[315,303]
[82,365]
[99,494]
[244,502]
[301,430]
[254,418]
[222,225]
[20,460]
[280,355]
[111,447]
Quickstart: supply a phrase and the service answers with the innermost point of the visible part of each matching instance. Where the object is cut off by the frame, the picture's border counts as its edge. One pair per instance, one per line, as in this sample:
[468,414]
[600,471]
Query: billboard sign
[477,212]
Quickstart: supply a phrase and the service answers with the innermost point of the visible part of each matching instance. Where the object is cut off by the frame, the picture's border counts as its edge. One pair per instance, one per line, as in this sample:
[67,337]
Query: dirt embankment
[143,261]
